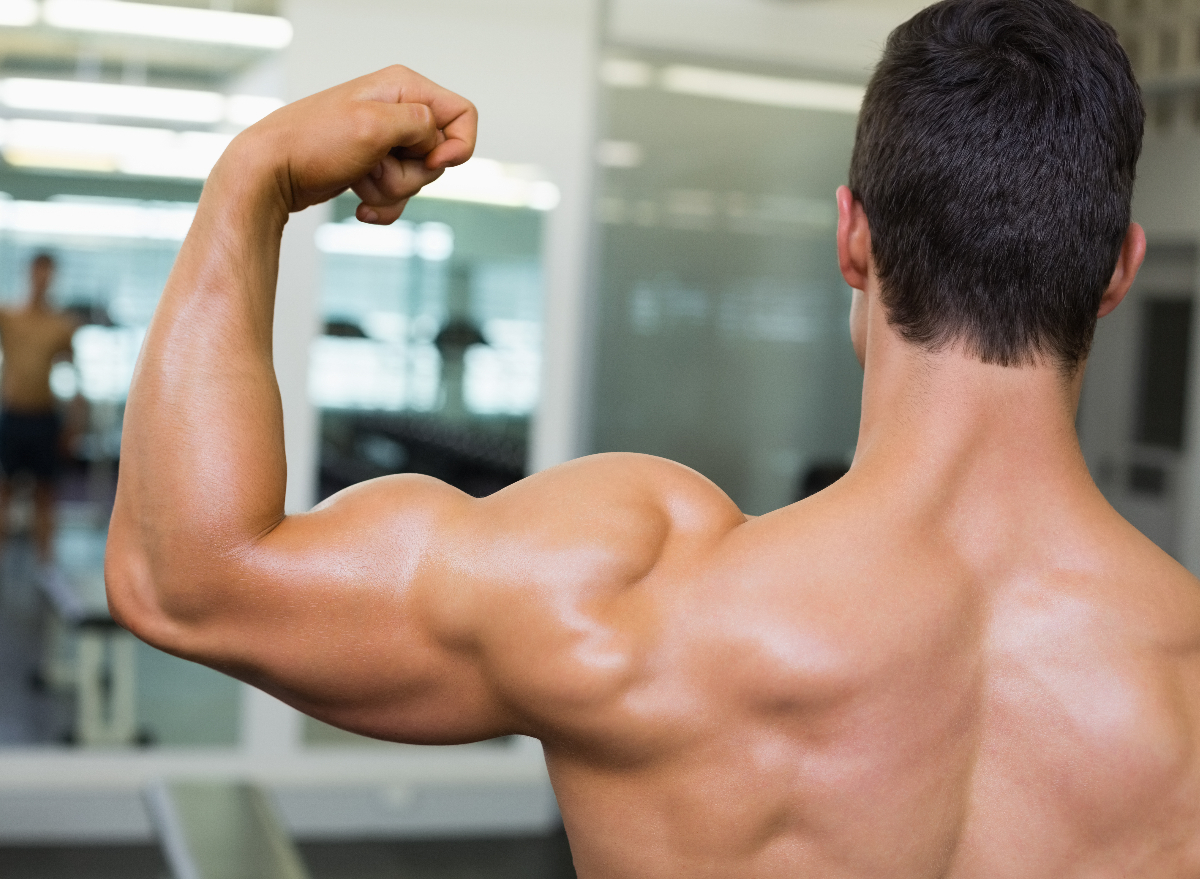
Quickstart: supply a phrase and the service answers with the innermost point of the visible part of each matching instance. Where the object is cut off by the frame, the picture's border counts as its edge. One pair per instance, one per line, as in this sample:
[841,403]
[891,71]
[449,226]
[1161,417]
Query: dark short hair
[995,159]
[44,257]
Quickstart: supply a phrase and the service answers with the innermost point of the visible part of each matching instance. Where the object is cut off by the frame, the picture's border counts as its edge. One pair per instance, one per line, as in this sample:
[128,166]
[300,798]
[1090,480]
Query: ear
[854,239]
[1133,252]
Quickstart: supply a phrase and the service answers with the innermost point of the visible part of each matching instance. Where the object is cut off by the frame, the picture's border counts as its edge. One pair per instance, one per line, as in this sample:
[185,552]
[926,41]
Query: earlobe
[1133,253]
[854,239]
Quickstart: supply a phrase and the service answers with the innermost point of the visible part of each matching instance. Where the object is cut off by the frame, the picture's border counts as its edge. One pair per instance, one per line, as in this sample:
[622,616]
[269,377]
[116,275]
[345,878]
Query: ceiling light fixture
[626,73]
[62,218]
[433,242]
[150,152]
[140,102]
[169,22]
[358,239]
[620,154]
[18,13]
[484,181]
[104,99]
[798,94]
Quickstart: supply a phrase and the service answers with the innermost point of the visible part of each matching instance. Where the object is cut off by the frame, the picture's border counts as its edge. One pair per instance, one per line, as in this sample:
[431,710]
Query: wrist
[249,179]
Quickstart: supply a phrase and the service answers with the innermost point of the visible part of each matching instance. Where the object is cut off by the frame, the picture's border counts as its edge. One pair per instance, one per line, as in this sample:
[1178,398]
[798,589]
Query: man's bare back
[956,662]
[846,688]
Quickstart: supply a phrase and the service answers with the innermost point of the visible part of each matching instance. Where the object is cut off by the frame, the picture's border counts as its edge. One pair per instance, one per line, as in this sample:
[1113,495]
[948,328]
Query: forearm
[197,563]
[203,469]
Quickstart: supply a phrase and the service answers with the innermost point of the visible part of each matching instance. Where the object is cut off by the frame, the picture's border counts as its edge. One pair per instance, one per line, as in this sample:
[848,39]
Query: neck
[949,430]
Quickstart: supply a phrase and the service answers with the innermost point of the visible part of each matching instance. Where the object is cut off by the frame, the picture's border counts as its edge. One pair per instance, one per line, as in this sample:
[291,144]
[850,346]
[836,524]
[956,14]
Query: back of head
[995,159]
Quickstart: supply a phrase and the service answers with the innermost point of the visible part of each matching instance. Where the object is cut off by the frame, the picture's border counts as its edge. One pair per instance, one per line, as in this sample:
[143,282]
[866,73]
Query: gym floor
[532,858]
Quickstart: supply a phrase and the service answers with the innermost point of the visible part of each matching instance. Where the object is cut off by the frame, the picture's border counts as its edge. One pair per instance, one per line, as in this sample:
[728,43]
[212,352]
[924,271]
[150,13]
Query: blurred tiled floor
[539,858]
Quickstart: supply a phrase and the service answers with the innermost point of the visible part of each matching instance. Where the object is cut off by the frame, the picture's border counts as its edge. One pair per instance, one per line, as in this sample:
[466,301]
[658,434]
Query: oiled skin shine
[957,662]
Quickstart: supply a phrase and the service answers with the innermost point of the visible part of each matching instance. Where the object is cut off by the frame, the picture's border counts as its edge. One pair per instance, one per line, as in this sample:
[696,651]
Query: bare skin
[33,337]
[957,662]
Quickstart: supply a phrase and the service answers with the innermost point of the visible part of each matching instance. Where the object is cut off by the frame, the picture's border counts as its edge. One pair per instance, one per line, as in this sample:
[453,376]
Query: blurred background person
[33,337]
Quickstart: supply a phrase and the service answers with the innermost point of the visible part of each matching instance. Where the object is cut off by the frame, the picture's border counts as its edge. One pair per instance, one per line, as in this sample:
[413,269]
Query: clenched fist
[385,136]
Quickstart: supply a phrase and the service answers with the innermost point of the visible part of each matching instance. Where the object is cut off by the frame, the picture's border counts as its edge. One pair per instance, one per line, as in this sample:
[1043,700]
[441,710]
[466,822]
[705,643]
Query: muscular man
[958,661]
[32,338]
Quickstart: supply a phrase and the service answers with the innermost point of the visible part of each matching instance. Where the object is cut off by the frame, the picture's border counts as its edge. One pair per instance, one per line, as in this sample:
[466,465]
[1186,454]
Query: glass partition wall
[428,359]
[431,352]
[721,316]
[112,255]
[721,313]
[107,131]
[429,362]
[420,348]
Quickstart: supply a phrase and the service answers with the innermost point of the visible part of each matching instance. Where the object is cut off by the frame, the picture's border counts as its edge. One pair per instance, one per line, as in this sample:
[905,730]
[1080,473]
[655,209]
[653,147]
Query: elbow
[133,601]
[138,599]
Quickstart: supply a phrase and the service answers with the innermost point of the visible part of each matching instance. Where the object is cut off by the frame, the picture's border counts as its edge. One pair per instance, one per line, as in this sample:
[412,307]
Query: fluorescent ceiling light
[435,242]
[625,73]
[66,219]
[142,102]
[170,22]
[359,239]
[800,94]
[18,13]
[483,181]
[620,154]
[153,152]
[402,240]
[245,110]
[103,99]
[190,155]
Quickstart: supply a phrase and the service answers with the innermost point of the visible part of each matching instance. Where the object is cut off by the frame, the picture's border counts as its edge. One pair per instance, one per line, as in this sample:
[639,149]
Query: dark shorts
[29,443]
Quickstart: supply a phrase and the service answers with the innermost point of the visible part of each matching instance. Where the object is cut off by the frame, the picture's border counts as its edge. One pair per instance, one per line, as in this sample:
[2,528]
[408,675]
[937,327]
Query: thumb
[407,127]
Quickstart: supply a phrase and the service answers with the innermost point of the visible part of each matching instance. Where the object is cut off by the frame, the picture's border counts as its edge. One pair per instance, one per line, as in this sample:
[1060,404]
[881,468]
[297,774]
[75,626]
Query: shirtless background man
[32,337]
[958,661]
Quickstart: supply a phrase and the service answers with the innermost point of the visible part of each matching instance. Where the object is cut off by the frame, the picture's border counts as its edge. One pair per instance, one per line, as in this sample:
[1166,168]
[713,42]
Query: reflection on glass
[62,681]
[723,336]
[432,346]
[1135,399]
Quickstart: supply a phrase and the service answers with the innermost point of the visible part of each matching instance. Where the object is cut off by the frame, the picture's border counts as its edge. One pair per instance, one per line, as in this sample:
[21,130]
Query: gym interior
[640,258]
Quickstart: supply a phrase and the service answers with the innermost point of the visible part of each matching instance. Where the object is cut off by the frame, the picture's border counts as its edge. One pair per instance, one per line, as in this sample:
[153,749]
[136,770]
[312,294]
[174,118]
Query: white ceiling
[843,37]
[41,50]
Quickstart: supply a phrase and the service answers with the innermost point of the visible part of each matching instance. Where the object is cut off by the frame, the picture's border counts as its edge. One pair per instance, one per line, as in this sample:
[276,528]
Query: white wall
[841,37]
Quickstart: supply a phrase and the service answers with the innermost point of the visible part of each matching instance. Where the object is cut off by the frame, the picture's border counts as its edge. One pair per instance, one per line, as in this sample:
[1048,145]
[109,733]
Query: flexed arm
[200,553]
[401,608]
[203,433]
